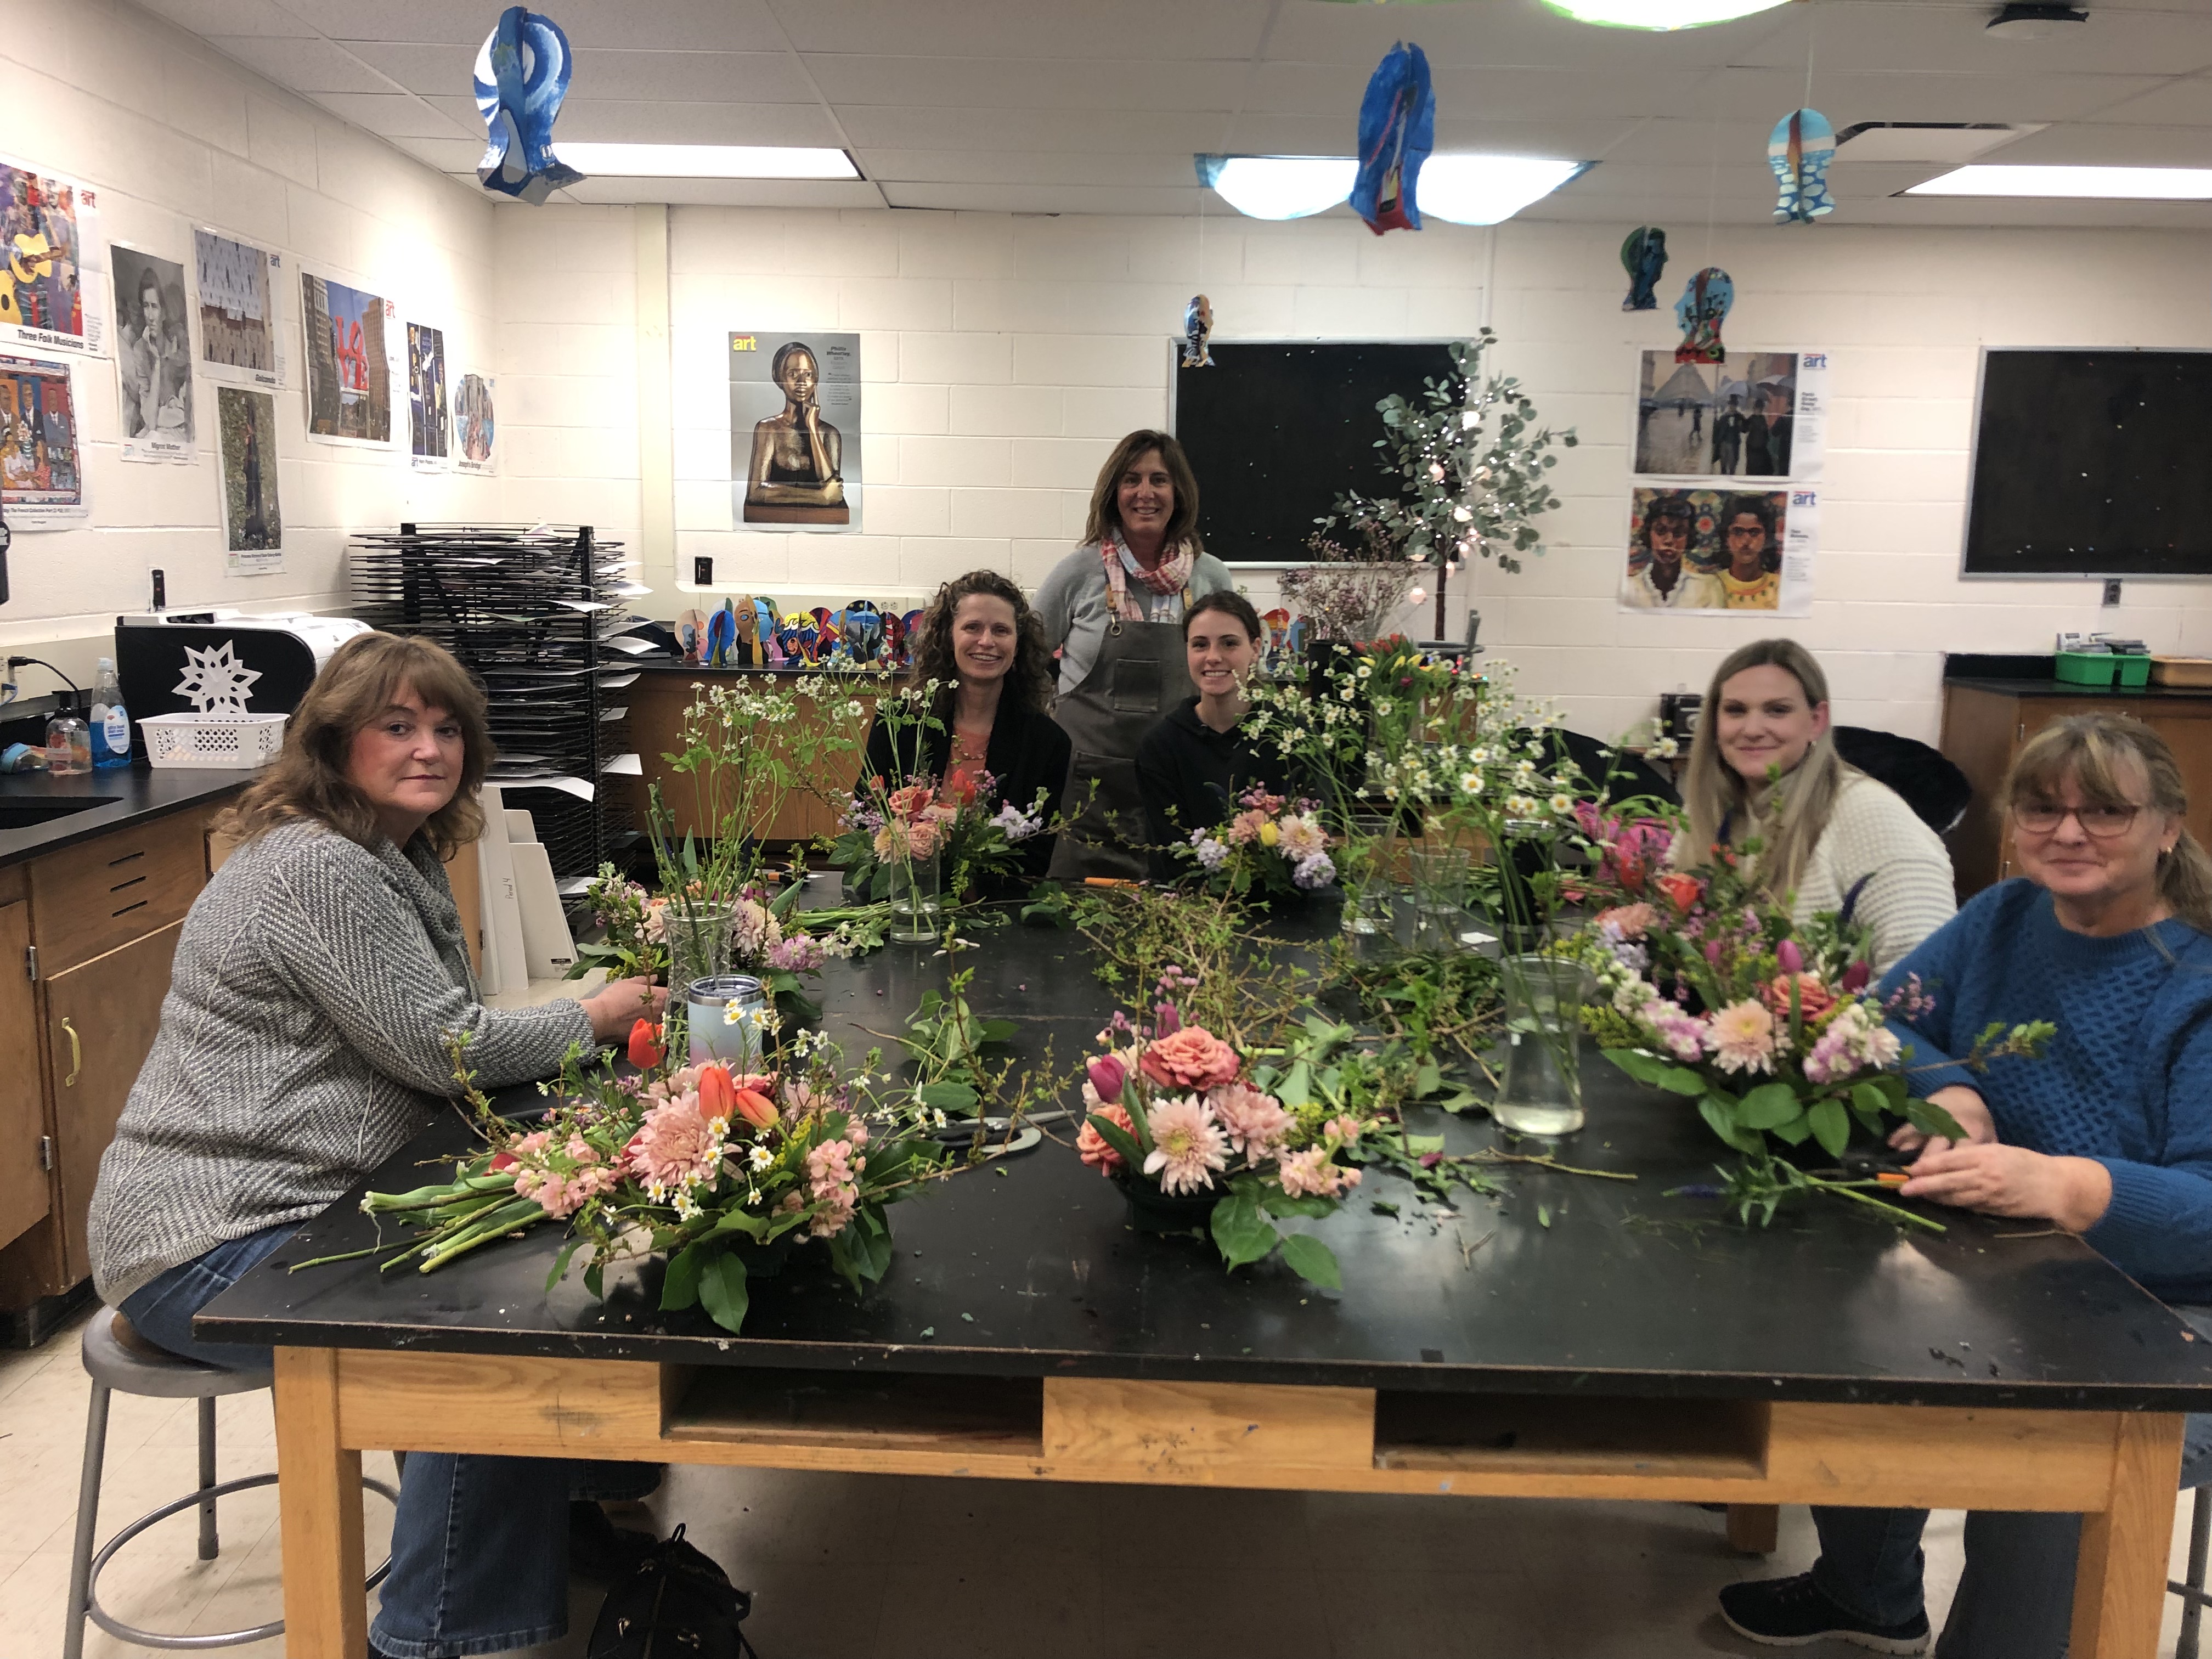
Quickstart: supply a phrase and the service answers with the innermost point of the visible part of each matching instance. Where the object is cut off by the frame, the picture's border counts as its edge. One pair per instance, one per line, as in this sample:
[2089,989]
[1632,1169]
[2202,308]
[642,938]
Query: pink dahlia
[1187,1144]
[1256,1124]
[1741,1037]
[1190,1057]
[675,1148]
[1628,922]
[1094,1148]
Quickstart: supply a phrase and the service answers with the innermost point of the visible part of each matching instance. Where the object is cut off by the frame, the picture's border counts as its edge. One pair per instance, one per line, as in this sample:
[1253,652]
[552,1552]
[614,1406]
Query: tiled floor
[861,1565]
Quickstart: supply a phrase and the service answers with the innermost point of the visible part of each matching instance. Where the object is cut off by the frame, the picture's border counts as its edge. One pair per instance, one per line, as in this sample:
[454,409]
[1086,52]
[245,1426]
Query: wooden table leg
[1754,1529]
[2119,1585]
[319,1499]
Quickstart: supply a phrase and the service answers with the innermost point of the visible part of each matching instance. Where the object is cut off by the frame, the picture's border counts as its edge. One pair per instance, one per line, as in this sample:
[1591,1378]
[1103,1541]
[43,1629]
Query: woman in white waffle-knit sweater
[1832,838]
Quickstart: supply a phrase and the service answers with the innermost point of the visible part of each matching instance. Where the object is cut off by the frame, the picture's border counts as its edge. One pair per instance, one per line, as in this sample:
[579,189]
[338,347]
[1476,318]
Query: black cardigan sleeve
[1030,753]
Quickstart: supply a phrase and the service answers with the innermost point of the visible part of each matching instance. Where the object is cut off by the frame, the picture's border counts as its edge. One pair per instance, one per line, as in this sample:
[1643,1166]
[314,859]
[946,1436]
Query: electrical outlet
[2111,592]
[703,574]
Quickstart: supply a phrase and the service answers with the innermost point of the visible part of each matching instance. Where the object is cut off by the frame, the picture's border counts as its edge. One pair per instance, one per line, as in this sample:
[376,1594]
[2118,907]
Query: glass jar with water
[1541,1091]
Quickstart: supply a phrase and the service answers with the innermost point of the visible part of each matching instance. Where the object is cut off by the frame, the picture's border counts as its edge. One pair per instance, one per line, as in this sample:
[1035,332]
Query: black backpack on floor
[676,1604]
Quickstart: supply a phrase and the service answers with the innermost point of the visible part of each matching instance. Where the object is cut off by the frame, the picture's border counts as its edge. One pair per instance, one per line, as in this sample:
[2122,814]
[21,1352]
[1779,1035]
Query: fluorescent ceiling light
[1484,190]
[1659,13]
[1279,186]
[2114,184]
[706,161]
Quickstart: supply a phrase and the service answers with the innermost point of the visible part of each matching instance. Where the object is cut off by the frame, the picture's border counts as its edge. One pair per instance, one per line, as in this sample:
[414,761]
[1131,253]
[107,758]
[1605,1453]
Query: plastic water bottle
[111,722]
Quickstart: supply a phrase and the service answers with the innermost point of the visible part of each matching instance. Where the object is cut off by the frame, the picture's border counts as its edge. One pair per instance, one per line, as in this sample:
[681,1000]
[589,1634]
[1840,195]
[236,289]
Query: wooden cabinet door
[100,1020]
[26,1189]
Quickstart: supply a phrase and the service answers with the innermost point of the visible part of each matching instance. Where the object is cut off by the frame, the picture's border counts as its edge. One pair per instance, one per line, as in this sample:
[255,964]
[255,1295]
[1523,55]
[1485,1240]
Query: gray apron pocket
[1135,687]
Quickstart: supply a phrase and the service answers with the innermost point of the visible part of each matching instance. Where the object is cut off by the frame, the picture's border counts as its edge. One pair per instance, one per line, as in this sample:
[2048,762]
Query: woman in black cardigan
[981,638]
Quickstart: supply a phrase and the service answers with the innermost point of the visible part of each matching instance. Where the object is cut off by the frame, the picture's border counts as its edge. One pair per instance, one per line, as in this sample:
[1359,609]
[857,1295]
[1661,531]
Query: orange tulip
[717,1094]
[645,1050]
[756,1108]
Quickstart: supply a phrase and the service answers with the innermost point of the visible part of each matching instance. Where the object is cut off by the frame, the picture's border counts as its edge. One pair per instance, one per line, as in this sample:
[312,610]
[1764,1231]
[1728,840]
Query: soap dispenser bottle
[111,722]
[69,739]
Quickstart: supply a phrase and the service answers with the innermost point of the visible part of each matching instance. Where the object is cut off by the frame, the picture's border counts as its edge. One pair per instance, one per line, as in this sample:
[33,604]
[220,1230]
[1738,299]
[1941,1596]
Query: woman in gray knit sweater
[303,1043]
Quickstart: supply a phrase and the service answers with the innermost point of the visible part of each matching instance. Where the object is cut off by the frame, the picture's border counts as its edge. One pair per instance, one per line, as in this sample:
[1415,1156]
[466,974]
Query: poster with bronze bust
[795,430]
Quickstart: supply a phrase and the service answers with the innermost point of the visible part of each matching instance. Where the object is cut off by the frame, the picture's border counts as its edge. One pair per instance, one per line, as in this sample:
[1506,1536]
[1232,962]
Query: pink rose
[1190,1057]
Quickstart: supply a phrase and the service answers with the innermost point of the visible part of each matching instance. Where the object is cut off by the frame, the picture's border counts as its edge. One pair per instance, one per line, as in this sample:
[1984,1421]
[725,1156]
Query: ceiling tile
[2109,145]
[1110,131]
[986,167]
[213,17]
[640,122]
[679,25]
[1107,30]
[2182,103]
[397,115]
[304,66]
[697,77]
[1503,34]
[452,156]
[1875,37]
[1045,198]
[1177,83]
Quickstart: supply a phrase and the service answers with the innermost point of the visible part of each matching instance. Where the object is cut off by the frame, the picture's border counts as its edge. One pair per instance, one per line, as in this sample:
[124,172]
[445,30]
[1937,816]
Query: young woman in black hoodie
[1192,765]
[981,638]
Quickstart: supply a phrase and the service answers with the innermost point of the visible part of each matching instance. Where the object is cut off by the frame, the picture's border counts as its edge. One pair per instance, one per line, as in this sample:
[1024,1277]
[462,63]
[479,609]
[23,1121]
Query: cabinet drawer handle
[76,1054]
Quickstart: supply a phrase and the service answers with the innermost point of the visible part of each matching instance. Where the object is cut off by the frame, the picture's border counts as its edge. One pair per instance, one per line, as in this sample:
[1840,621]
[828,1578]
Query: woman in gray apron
[1113,610]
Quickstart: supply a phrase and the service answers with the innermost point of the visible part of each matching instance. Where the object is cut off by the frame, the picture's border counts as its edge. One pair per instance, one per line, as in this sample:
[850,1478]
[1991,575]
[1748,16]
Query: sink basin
[22,813]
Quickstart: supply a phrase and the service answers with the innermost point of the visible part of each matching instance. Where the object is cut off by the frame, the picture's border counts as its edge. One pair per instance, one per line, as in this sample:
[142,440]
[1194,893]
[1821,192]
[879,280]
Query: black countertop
[118,797]
[2028,674]
[1563,1283]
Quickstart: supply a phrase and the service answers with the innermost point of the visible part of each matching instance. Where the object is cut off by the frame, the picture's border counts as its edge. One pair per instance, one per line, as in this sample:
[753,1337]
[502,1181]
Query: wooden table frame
[2118,1468]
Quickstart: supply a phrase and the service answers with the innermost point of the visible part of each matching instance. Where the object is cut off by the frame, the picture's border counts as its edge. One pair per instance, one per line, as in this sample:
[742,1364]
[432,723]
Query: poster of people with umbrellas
[1759,415]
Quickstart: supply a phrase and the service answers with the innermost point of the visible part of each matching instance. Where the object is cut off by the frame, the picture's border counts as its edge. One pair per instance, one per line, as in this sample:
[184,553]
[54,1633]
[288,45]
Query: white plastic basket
[241,742]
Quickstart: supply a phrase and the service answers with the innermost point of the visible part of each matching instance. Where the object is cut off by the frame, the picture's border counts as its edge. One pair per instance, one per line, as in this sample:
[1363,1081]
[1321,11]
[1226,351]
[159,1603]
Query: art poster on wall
[153,355]
[252,523]
[41,451]
[49,272]
[1759,415]
[474,428]
[429,425]
[1721,552]
[349,337]
[795,431]
[237,287]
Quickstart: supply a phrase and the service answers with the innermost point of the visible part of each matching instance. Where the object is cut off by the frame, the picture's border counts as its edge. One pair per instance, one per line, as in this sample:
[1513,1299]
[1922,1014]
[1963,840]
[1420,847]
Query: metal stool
[2193,1598]
[115,1368]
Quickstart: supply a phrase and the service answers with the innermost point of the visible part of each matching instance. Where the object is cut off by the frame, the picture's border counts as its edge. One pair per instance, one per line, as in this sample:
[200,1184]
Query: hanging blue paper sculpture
[1643,256]
[1397,130]
[521,76]
[1197,327]
[1799,150]
[1704,303]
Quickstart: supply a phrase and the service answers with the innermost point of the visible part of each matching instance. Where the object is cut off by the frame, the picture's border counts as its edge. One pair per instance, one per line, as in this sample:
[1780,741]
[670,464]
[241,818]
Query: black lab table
[1621,1344]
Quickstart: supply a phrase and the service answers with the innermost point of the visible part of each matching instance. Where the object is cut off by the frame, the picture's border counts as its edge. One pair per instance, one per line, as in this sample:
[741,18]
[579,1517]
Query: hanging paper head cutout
[1643,256]
[1799,150]
[521,76]
[1397,130]
[1704,303]
[1197,328]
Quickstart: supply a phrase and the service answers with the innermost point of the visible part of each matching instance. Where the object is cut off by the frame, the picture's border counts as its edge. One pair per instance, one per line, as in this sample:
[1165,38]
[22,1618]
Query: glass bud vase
[1542,1091]
[699,932]
[916,902]
[1440,879]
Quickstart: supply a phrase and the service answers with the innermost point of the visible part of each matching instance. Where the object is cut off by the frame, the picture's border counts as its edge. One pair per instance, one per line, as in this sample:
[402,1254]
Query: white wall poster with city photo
[1724,509]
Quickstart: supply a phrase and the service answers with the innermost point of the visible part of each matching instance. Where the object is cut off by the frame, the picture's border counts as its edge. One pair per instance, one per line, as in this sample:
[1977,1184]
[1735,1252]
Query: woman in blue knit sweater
[2109,934]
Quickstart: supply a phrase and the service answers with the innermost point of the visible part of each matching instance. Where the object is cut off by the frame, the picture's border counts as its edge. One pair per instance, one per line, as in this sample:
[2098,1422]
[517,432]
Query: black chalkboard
[2091,463]
[1276,432]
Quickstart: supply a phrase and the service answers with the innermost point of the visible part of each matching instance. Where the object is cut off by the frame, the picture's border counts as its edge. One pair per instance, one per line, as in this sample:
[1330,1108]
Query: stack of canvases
[535,612]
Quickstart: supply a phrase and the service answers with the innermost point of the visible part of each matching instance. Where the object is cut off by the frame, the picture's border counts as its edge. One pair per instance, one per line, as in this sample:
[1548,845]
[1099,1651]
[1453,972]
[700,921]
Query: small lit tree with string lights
[1472,458]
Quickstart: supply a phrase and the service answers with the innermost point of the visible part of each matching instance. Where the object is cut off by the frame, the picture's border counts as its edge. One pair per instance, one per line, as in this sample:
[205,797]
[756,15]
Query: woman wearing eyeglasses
[2108,934]
[1830,838]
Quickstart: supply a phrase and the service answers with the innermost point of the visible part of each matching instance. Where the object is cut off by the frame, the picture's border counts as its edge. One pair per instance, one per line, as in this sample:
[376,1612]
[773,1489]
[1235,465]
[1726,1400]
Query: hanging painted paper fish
[1197,328]
[1701,310]
[1799,150]
[521,75]
[1397,130]
[1643,256]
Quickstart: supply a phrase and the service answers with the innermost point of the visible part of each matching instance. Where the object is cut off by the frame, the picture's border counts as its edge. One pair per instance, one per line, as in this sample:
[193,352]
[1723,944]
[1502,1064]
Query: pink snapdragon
[1851,1044]
[1309,1173]
[832,1170]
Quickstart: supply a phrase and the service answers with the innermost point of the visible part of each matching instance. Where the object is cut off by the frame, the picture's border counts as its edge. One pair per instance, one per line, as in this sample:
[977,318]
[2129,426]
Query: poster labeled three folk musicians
[1724,509]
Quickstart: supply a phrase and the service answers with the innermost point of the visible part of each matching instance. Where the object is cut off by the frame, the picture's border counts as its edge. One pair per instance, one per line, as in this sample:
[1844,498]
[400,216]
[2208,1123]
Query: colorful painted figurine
[748,632]
[691,633]
[864,631]
[764,631]
[1197,328]
[895,639]
[721,635]
[1397,130]
[1799,150]
[1643,256]
[1701,310]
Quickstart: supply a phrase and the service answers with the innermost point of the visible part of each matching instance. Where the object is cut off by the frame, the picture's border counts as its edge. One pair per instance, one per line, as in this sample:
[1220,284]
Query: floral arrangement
[1273,843]
[750,932]
[1173,1109]
[721,1174]
[1715,994]
[886,829]
[1343,597]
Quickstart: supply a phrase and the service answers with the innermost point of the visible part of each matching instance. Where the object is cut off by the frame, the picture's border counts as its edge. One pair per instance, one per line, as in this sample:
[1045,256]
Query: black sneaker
[1794,1612]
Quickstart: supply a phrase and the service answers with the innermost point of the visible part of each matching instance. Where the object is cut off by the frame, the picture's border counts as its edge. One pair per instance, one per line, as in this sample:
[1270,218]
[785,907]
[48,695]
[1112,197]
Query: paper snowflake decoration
[215,681]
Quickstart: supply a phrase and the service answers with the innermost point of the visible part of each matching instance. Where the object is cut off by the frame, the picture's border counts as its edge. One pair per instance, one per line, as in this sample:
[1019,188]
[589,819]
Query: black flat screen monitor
[2093,463]
[1276,431]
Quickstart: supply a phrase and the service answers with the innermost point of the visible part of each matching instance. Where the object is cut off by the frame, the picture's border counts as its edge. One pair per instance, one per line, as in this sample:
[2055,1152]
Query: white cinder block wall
[1004,354]
[174,136]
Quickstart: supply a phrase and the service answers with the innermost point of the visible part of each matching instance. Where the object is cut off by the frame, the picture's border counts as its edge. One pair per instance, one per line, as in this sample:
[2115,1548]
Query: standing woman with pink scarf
[1113,611]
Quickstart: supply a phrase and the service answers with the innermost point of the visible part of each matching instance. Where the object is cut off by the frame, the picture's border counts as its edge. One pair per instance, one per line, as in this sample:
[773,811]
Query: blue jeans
[2015,1597]
[479,1545]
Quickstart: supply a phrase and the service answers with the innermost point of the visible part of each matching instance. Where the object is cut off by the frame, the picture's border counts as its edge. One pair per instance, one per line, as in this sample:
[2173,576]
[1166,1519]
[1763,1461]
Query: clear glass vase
[916,901]
[698,933]
[1541,1093]
[1439,894]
